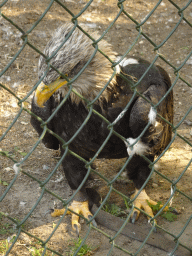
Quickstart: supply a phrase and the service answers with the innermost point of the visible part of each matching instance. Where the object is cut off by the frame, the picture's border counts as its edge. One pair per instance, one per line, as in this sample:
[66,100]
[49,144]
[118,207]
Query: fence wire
[21,101]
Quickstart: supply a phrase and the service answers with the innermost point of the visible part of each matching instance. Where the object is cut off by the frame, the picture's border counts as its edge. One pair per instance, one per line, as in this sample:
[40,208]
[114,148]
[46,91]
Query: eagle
[75,74]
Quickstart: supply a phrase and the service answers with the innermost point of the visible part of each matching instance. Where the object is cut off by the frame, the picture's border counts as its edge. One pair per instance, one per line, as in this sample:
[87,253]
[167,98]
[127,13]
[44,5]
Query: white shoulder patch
[152,116]
[139,148]
[126,61]
[129,61]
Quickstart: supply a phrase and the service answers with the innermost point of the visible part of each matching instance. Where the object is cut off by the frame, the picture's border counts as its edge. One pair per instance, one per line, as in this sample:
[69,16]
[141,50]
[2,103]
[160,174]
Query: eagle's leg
[75,172]
[138,171]
[138,168]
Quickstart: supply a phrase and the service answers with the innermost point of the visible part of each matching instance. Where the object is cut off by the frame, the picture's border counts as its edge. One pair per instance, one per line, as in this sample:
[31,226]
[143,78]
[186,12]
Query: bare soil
[20,78]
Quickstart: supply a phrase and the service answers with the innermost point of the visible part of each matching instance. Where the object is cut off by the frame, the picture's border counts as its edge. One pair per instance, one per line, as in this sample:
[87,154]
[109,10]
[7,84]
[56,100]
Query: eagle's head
[69,60]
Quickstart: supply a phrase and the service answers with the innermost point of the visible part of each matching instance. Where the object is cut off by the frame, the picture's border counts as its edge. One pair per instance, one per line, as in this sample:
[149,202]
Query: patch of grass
[36,251]
[4,183]
[112,209]
[20,152]
[126,204]
[185,48]
[6,153]
[116,210]
[84,250]
[168,215]
[4,246]
[5,228]
[12,154]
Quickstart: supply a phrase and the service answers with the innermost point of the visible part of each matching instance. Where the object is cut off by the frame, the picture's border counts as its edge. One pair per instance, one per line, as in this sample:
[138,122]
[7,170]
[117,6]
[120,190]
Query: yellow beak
[44,92]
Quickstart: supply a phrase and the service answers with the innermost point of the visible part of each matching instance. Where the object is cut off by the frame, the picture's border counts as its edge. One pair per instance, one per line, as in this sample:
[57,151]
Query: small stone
[45,167]
[154,185]
[22,203]
[170,20]
[8,169]
[24,123]
[189,62]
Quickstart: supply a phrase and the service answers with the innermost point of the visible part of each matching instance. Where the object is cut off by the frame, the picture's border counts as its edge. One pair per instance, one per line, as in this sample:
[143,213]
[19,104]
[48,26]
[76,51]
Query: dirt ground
[21,138]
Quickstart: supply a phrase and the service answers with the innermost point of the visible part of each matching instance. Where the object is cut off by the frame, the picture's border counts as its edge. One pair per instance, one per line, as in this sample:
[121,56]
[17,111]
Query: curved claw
[77,228]
[173,211]
[49,211]
[57,212]
[134,217]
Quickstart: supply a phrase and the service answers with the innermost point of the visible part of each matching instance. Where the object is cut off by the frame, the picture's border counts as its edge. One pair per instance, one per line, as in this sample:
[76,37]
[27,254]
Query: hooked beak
[44,92]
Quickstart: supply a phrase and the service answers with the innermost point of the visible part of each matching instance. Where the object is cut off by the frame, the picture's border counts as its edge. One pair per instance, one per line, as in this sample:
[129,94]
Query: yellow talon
[78,207]
[142,202]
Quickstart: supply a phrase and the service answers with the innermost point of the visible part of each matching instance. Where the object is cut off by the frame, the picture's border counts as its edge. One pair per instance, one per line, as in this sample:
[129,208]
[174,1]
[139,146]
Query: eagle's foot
[79,208]
[143,202]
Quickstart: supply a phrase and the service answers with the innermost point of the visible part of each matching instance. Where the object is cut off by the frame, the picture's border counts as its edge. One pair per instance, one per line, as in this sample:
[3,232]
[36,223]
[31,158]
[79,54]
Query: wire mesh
[26,37]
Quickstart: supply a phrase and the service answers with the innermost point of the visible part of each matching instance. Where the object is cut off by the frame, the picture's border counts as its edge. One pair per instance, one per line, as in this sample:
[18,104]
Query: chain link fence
[184,14]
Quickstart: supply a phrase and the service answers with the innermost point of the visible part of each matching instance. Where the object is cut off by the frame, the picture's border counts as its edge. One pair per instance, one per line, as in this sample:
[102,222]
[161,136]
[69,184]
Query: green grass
[4,183]
[168,215]
[17,149]
[12,154]
[35,251]
[116,210]
[112,209]
[5,227]
[84,250]
[4,246]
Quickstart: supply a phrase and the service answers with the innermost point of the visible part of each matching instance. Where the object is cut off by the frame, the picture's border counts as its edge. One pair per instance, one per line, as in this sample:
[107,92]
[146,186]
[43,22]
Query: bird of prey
[67,53]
